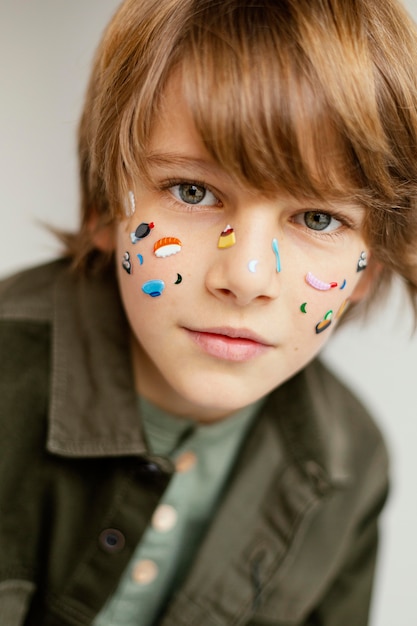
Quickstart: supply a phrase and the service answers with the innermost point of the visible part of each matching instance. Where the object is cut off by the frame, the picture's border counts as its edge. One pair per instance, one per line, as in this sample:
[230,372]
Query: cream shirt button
[185,462]
[145,572]
[164,518]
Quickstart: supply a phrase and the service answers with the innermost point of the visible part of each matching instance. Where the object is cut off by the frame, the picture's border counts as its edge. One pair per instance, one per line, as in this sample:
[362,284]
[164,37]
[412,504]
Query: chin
[211,397]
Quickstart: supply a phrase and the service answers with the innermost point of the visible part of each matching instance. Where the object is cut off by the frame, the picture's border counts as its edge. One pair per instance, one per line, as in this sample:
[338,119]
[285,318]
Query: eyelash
[175,182]
[166,186]
[345,222]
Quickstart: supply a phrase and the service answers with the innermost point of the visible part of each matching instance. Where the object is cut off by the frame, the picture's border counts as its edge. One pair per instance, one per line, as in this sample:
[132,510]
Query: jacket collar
[93,408]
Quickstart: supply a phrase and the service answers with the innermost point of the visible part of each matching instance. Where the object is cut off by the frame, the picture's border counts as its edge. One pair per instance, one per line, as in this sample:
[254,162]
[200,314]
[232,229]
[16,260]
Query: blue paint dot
[153,288]
[140,257]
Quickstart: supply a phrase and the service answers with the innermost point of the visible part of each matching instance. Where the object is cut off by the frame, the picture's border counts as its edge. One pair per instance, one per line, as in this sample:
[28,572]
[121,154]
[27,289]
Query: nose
[248,270]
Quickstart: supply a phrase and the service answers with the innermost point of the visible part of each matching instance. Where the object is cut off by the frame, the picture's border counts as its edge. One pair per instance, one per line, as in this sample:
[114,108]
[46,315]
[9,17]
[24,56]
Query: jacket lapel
[249,564]
[93,409]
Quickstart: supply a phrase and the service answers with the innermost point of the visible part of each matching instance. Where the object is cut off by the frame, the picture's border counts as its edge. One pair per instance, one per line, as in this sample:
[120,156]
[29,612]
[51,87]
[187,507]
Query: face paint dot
[153,288]
[328,315]
[318,284]
[179,279]
[227,238]
[303,308]
[252,265]
[142,231]
[140,257]
[132,202]
[343,285]
[323,325]
[167,246]
[342,309]
[126,264]
[277,255]
[363,262]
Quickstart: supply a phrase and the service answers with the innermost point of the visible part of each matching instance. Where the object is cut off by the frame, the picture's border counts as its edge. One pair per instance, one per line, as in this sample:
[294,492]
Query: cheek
[324,296]
[150,260]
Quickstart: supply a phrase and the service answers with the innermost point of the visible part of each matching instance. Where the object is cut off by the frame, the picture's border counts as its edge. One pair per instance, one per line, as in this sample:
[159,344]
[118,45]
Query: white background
[46,48]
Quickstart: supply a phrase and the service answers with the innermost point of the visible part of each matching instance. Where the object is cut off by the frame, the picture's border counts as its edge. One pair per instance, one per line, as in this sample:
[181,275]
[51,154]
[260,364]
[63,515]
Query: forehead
[174,120]
[309,164]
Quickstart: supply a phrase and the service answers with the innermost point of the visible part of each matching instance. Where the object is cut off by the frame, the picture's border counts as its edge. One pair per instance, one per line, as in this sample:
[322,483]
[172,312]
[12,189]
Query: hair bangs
[282,98]
[313,99]
[260,107]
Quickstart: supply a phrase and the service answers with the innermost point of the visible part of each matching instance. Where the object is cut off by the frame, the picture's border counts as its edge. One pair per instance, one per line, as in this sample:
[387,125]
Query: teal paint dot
[153,288]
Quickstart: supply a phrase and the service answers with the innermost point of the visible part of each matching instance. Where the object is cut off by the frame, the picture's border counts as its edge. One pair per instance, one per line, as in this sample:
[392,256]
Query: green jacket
[293,541]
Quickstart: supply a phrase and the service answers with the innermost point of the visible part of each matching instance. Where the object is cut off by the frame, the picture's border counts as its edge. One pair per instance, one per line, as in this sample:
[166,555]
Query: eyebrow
[173,159]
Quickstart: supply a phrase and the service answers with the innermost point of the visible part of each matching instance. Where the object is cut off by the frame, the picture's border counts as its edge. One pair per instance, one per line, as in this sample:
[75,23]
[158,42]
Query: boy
[173,453]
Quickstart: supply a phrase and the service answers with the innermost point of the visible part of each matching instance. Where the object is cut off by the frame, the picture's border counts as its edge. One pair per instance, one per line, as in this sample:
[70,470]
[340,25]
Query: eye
[192,193]
[318,221]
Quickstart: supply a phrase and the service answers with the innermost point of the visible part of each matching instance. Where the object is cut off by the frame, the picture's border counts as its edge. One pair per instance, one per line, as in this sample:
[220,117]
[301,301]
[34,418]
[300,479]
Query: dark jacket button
[112,540]
[151,468]
[155,471]
[156,466]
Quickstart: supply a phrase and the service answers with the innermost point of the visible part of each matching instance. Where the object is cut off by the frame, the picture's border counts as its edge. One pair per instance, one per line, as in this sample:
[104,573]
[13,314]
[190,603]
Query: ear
[102,235]
[367,281]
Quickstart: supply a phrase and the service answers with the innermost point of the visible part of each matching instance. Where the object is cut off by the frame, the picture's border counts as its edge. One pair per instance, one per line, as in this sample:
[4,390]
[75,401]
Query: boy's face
[219,320]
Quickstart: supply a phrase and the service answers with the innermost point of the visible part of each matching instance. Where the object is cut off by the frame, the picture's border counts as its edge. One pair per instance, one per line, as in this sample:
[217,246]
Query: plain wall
[46,48]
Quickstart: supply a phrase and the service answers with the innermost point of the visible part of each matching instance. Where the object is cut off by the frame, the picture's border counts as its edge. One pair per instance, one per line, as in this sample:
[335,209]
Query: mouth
[230,344]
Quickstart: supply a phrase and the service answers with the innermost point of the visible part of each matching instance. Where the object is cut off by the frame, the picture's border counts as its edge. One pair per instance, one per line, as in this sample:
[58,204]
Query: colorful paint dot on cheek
[153,288]
[142,231]
[323,325]
[363,262]
[342,308]
[277,254]
[303,307]
[227,238]
[318,284]
[132,202]
[140,258]
[126,264]
[167,246]
[252,265]
[325,322]
[343,285]
[179,280]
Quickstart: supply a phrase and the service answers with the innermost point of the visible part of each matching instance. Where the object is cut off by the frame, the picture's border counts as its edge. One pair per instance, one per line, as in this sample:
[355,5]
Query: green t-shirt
[203,456]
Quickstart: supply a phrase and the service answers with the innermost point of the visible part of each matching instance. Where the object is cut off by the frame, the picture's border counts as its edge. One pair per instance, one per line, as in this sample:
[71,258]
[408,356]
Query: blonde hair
[314,97]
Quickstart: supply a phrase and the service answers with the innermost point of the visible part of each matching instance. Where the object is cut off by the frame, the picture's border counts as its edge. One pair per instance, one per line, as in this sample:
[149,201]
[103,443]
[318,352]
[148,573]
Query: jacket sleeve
[348,599]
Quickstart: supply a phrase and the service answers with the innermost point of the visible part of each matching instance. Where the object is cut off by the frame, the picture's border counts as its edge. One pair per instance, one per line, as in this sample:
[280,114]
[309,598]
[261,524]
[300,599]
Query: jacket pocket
[15,597]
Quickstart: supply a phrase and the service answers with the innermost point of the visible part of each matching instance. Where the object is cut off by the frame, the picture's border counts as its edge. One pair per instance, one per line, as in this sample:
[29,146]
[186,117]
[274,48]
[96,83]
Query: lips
[230,344]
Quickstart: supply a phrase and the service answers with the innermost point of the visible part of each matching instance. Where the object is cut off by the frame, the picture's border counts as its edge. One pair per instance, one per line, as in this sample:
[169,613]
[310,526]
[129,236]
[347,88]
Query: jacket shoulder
[29,294]
[354,415]
[341,405]
[324,420]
